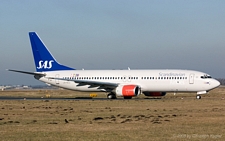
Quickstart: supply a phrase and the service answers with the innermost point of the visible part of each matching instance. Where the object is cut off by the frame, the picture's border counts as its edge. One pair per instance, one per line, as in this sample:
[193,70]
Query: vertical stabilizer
[44,61]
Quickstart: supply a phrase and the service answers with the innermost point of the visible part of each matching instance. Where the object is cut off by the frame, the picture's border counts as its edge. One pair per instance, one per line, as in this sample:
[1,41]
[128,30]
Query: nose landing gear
[198,97]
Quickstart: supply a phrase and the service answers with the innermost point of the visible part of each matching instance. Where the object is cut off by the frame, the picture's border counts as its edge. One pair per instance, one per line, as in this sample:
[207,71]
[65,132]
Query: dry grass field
[179,117]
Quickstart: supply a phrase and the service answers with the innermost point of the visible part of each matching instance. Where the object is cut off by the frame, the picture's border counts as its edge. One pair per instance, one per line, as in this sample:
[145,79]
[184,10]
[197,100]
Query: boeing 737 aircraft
[125,83]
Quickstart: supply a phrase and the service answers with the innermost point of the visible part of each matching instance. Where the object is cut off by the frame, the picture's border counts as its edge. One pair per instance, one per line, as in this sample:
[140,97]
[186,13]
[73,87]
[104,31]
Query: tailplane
[43,59]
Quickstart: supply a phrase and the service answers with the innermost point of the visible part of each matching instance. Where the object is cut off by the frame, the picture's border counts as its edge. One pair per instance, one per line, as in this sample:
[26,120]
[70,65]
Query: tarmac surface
[75,99]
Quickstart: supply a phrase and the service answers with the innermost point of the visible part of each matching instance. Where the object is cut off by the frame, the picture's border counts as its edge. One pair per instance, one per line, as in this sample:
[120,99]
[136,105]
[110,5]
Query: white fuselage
[148,80]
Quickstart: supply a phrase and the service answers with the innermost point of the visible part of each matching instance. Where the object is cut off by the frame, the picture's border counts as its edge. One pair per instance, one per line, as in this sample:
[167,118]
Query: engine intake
[128,90]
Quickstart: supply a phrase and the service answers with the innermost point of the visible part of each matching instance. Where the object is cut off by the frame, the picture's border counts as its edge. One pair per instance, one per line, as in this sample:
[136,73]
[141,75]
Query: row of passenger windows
[164,78]
[121,78]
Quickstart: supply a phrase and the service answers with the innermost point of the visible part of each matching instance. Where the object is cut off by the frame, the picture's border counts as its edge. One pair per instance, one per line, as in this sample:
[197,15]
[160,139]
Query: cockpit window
[206,76]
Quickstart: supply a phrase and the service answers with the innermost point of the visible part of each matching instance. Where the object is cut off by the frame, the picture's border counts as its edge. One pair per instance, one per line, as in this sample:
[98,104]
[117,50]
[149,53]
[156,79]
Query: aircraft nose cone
[216,83]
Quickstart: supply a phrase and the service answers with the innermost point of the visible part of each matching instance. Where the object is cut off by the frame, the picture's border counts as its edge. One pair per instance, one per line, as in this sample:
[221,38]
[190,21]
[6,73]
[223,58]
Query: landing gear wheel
[198,97]
[127,97]
[111,96]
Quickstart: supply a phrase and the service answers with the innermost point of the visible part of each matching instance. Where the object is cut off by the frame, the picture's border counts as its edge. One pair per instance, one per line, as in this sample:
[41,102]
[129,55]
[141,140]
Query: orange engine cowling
[128,90]
[154,93]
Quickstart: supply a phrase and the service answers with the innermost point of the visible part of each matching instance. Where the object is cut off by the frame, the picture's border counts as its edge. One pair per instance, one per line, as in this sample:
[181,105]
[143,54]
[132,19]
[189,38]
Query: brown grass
[179,117]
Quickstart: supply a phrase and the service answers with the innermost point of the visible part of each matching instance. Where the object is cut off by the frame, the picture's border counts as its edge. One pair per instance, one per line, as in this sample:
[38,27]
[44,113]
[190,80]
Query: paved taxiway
[75,99]
[37,98]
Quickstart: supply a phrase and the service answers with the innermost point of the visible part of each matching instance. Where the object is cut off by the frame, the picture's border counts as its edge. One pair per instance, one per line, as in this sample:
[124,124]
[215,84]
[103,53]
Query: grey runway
[38,98]
[75,99]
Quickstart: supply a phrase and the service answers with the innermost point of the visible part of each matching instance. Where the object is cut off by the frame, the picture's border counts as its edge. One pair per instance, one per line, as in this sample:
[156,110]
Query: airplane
[116,83]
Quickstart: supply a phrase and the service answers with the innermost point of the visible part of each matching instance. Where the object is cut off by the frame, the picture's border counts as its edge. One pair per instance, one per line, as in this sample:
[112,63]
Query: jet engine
[154,94]
[128,90]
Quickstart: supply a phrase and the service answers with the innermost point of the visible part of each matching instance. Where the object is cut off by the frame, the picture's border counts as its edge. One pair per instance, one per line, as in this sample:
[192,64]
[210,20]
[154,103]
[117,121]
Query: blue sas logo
[45,64]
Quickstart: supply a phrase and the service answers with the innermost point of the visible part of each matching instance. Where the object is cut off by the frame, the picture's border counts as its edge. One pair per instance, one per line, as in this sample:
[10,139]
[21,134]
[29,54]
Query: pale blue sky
[116,34]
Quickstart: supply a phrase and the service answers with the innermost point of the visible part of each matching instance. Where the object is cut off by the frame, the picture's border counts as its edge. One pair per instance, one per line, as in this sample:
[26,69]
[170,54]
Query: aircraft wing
[100,85]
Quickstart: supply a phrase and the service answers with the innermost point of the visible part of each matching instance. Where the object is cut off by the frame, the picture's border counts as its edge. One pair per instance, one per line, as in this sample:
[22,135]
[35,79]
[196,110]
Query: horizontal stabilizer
[25,72]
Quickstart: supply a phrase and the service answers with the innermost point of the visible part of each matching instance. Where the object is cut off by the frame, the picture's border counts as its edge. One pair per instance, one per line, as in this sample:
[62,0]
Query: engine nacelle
[127,90]
[154,94]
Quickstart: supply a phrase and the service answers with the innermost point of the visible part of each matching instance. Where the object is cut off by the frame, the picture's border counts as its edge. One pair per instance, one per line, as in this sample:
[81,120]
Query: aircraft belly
[165,87]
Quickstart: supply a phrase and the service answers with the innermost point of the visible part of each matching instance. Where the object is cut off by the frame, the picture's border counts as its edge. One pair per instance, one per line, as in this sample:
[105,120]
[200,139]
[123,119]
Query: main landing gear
[127,97]
[111,96]
[198,97]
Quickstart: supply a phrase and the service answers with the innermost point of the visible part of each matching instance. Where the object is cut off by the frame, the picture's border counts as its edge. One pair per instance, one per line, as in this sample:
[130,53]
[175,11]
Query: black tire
[111,96]
[198,97]
[127,97]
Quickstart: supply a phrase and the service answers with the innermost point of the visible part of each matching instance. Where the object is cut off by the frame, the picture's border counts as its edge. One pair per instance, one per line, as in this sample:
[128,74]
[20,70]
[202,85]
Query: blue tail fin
[43,59]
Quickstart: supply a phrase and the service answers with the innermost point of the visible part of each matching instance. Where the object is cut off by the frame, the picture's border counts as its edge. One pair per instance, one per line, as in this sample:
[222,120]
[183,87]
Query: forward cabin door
[191,78]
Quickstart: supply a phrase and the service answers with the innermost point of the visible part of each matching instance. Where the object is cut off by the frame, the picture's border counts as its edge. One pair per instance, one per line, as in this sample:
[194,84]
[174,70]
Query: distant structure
[5,87]
[24,87]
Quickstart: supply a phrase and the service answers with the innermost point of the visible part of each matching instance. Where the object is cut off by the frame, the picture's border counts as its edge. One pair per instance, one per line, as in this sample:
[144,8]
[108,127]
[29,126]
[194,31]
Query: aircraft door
[129,78]
[56,80]
[191,78]
[124,78]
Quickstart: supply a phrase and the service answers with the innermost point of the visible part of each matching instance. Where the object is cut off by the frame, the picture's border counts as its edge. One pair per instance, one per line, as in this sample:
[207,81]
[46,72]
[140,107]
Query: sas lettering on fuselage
[171,74]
